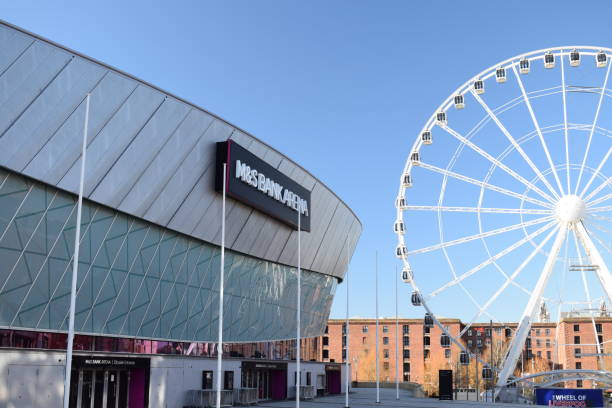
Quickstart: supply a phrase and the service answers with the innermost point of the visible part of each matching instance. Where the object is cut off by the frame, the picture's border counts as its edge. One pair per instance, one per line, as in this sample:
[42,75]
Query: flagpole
[299,313]
[221,288]
[377,378]
[346,375]
[396,341]
[75,262]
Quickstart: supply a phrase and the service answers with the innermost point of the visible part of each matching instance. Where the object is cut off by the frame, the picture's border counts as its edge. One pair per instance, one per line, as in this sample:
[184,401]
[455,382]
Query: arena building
[147,300]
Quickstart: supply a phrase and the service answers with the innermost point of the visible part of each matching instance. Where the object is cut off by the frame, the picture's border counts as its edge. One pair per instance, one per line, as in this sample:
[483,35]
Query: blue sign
[569,397]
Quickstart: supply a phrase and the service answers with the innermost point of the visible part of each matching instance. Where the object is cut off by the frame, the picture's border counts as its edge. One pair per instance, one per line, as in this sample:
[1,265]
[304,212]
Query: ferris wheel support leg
[516,346]
[603,274]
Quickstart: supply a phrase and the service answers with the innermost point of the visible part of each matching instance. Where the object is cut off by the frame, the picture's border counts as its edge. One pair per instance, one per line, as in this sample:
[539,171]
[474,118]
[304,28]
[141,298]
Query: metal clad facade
[149,153]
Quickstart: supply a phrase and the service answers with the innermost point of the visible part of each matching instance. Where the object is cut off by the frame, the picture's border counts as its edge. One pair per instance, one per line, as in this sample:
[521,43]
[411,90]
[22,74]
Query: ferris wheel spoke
[565,130]
[496,162]
[598,189]
[518,340]
[588,147]
[489,261]
[599,227]
[598,201]
[481,235]
[599,209]
[485,185]
[596,173]
[538,130]
[516,146]
[600,217]
[477,209]
[599,240]
[509,280]
[602,272]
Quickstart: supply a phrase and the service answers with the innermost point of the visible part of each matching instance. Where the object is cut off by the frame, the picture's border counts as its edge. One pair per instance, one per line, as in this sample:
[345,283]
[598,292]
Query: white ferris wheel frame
[547,197]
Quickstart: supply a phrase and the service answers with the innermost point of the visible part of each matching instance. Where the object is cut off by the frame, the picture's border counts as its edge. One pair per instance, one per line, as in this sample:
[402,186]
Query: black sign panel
[263,365]
[106,362]
[445,384]
[259,185]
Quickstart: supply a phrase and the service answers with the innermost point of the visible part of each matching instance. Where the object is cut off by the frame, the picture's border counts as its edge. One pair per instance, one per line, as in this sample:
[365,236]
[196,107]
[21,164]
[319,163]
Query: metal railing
[208,398]
[245,396]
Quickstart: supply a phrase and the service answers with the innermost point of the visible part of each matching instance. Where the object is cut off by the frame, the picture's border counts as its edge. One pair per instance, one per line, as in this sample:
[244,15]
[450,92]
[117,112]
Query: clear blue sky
[341,87]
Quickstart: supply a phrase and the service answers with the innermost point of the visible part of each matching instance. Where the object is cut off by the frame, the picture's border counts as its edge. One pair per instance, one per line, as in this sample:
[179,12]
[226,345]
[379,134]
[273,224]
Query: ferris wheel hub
[570,208]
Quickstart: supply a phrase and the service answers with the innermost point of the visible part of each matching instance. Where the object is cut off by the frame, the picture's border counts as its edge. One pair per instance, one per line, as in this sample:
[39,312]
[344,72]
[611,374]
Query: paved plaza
[366,397]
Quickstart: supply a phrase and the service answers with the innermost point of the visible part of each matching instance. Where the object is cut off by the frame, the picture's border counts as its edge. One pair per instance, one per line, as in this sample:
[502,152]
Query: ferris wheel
[502,210]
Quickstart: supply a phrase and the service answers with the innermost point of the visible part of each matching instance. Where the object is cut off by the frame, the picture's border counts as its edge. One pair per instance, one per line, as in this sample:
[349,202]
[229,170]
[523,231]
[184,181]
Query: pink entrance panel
[137,388]
[278,384]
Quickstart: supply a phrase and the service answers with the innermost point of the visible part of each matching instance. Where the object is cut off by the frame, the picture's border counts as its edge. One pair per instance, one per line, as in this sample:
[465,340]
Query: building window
[406,367]
[326,329]
[576,327]
[385,340]
[479,343]
[364,340]
[600,339]
[547,342]
[498,330]
[386,365]
[406,353]
[406,341]
[576,339]
[326,341]
[547,331]
[386,353]
[469,332]
[488,342]
[343,341]
[548,355]
[364,329]
[407,377]
[537,332]
[598,327]
[578,365]
[427,330]
[228,380]
[469,343]
[385,329]
[343,328]
[406,329]
[344,354]
[308,378]
[325,354]
[478,333]
[577,353]
[578,383]
[488,332]
[426,340]
[207,380]
[538,343]
[539,354]
[447,353]
[426,353]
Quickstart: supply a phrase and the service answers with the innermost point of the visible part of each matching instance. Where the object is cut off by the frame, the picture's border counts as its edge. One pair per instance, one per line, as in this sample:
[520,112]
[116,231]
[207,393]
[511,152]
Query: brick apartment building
[422,351]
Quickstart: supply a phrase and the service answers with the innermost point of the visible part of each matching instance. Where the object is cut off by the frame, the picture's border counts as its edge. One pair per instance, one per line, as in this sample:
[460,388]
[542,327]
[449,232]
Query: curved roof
[150,154]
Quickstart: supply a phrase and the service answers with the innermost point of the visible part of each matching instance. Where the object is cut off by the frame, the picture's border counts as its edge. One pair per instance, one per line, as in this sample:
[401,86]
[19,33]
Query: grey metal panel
[64,148]
[13,44]
[329,250]
[133,161]
[116,135]
[150,154]
[164,165]
[352,238]
[21,83]
[33,129]
[193,174]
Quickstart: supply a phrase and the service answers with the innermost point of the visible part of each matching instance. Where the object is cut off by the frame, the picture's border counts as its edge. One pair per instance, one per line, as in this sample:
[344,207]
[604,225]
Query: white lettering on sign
[258,180]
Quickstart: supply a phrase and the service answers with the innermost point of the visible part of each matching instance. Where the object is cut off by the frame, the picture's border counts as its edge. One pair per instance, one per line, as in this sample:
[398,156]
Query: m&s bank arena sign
[569,397]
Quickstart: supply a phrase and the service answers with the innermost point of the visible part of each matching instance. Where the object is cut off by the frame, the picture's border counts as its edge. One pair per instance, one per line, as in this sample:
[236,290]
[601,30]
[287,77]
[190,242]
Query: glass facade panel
[138,279]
